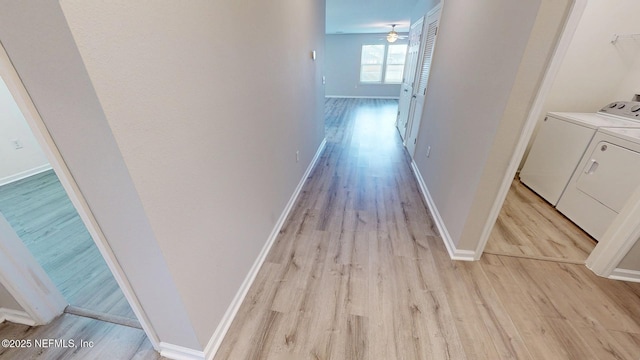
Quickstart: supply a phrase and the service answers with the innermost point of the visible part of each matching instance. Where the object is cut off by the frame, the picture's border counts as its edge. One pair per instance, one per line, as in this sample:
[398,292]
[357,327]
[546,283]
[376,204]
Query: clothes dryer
[561,142]
[605,179]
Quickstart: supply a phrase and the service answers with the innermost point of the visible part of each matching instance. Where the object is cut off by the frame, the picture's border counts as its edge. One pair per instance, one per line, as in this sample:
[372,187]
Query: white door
[417,100]
[410,68]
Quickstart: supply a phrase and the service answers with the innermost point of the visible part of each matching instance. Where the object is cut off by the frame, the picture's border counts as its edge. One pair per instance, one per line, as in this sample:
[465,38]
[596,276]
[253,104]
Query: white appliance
[607,175]
[562,140]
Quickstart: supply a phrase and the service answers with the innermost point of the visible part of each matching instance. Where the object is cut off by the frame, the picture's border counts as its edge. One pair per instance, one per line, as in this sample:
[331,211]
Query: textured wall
[208,125]
[489,57]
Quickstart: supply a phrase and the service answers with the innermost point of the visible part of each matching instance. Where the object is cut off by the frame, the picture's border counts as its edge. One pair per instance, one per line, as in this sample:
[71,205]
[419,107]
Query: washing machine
[607,175]
[561,142]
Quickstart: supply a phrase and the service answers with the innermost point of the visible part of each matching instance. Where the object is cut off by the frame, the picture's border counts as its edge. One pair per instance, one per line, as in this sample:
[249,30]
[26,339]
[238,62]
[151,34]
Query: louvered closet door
[410,69]
[415,113]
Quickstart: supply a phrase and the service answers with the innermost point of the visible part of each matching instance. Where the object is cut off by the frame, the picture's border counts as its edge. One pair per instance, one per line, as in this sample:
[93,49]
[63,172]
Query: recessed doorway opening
[36,205]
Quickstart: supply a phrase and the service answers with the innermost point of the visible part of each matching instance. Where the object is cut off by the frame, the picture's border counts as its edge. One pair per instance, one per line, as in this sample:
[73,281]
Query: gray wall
[342,66]
[7,301]
[490,56]
[36,37]
[183,142]
[631,261]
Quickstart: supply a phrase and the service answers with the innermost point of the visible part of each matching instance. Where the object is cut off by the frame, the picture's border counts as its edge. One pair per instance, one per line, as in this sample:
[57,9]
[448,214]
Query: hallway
[358,272]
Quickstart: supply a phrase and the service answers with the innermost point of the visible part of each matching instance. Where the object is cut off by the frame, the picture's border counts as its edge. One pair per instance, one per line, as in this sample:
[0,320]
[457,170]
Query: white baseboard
[362,97]
[179,353]
[24,174]
[625,275]
[16,316]
[216,339]
[454,253]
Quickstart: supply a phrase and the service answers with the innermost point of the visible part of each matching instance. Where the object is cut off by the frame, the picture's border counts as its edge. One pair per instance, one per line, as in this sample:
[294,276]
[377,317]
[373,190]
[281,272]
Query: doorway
[35,204]
[575,89]
[530,227]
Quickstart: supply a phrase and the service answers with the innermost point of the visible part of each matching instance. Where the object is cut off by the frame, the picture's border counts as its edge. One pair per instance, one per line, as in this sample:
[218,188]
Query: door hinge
[398,112]
[415,140]
[436,31]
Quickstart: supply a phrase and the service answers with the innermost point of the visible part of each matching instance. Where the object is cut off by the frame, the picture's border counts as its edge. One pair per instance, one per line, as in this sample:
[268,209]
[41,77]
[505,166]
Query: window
[395,63]
[379,60]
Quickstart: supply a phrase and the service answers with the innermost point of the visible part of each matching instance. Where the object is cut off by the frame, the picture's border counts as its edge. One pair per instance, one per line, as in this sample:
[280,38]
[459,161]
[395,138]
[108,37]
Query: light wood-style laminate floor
[358,272]
[528,226]
[110,341]
[44,218]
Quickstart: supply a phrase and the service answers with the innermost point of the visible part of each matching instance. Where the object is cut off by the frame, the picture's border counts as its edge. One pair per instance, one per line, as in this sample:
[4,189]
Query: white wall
[342,66]
[595,72]
[17,163]
[630,85]
[490,56]
[208,126]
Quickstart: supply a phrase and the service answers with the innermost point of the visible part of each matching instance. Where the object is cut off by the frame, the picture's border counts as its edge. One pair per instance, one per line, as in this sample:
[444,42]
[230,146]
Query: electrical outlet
[324,80]
[297,155]
[428,151]
[17,144]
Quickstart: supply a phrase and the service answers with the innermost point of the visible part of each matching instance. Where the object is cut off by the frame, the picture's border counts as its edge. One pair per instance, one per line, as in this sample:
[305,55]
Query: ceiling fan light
[392,36]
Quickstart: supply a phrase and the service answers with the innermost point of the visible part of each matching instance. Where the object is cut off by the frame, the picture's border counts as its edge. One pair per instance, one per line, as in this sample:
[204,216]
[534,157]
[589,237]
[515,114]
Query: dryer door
[611,175]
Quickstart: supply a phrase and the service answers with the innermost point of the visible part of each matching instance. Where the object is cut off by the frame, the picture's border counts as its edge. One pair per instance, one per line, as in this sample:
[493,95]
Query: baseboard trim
[362,97]
[179,352]
[24,174]
[625,275]
[537,258]
[16,316]
[454,253]
[114,319]
[216,339]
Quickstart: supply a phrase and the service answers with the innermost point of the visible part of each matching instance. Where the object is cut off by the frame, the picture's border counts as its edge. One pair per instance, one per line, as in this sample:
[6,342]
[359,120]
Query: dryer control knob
[621,106]
[613,105]
[636,108]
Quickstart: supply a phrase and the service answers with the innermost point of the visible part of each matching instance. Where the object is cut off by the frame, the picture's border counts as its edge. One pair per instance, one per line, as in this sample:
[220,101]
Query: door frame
[50,149]
[618,239]
[616,242]
[26,281]
[575,14]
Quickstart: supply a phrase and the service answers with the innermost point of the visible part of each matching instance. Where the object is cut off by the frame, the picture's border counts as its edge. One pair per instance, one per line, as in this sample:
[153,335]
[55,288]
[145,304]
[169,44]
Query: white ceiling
[368,16]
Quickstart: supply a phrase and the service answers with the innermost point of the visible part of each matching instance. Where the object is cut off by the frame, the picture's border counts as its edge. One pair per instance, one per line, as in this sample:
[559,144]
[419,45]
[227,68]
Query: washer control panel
[628,109]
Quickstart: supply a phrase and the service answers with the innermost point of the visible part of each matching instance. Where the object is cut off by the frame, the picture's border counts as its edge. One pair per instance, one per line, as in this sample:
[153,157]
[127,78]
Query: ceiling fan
[393,36]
